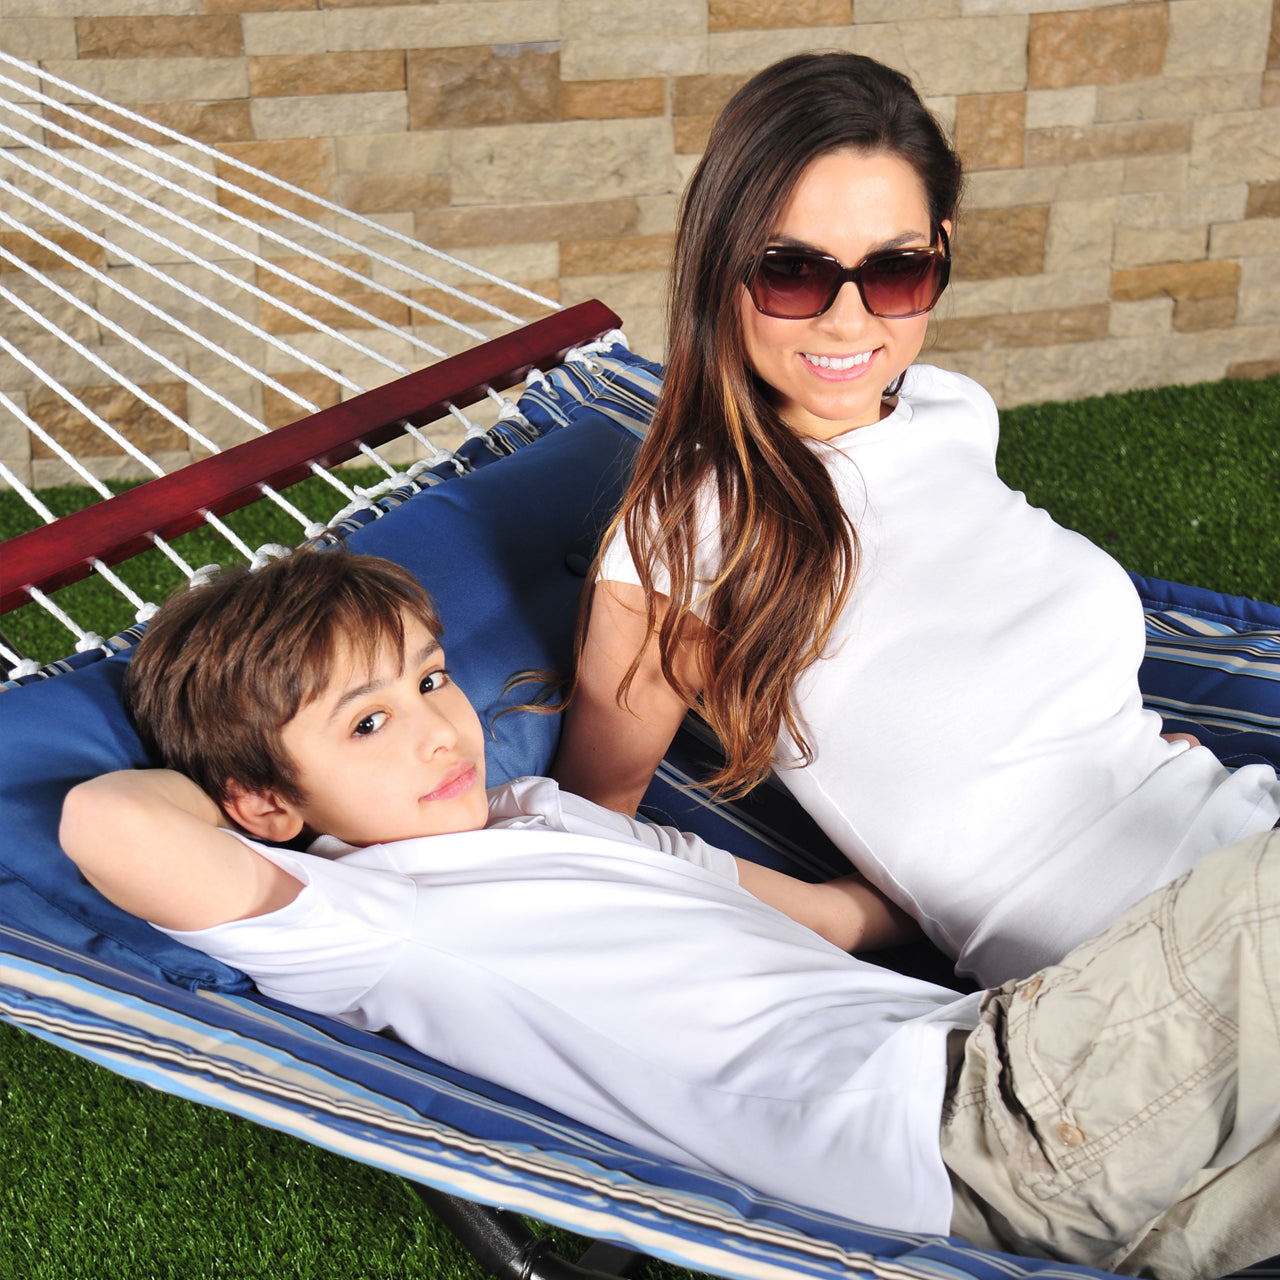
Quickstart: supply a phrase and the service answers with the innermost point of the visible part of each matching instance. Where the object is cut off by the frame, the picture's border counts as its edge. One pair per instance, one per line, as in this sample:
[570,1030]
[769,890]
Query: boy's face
[391,750]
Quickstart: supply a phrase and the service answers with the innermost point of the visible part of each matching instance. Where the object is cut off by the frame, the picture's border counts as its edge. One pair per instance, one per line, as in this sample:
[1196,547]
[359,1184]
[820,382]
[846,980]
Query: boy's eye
[370,724]
[434,681]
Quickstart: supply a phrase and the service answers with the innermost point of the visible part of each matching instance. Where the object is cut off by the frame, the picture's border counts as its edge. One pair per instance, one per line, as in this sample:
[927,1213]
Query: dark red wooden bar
[120,527]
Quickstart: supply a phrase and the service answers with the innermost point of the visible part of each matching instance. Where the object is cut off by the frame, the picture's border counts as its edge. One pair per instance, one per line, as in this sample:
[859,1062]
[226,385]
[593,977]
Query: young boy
[1120,1109]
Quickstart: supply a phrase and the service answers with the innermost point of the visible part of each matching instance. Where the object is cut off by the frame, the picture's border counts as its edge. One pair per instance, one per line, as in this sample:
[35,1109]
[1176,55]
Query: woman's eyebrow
[902,241]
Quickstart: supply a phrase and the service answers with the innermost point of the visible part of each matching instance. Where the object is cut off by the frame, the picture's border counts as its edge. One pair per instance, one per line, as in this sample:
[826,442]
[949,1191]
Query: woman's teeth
[837,362]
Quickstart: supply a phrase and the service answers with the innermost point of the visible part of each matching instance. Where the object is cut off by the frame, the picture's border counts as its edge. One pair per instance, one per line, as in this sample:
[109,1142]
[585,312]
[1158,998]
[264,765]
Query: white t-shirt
[618,973]
[980,749]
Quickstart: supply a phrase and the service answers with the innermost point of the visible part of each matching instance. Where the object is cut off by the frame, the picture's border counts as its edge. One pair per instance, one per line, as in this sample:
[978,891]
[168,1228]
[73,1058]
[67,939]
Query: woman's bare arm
[149,840]
[608,752]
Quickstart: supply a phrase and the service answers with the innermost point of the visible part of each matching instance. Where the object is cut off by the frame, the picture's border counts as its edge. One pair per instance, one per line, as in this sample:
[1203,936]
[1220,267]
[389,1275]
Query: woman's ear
[262,813]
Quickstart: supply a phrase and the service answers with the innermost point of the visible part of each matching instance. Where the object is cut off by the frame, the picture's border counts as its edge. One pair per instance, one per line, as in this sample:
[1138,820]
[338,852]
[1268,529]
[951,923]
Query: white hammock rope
[61,191]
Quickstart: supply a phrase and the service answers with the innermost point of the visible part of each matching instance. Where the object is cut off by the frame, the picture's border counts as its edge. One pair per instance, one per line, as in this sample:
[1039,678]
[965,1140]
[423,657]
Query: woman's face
[828,373]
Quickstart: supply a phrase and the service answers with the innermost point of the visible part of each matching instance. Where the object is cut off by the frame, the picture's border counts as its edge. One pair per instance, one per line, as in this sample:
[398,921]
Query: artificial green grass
[101,1177]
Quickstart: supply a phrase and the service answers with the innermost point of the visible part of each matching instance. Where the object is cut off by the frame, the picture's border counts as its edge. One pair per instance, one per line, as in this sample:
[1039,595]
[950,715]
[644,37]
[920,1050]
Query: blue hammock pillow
[503,549]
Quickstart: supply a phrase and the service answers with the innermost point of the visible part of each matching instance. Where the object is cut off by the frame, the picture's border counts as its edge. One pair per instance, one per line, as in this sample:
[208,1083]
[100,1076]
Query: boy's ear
[262,813]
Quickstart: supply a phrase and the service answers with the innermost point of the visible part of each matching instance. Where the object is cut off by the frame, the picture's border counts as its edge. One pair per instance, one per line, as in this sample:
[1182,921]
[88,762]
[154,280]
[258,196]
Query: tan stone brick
[278,410]
[160,36]
[292,75]
[991,243]
[1273,42]
[1096,46]
[1177,97]
[36,255]
[140,424]
[1254,369]
[522,224]
[1070,146]
[705,95]
[1240,146]
[255,6]
[304,162]
[207,122]
[1194,315]
[371,193]
[739,15]
[1151,246]
[1271,88]
[153,79]
[1140,319]
[981,54]
[1155,173]
[331,281]
[38,38]
[1054,108]
[613,99]
[298,31]
[1026,329]
[1178,280]
[911,10]
[362,4]
[612,257]
[572,161]
[990,130]
[1263,201]
[622,22]
[461,88]
[691,134]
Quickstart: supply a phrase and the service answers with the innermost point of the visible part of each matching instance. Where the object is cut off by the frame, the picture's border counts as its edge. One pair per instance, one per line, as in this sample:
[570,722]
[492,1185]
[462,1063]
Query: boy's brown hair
[224,666]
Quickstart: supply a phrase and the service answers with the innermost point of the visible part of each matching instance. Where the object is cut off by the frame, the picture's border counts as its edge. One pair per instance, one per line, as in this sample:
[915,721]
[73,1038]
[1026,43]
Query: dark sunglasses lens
[903,284]
[794,285]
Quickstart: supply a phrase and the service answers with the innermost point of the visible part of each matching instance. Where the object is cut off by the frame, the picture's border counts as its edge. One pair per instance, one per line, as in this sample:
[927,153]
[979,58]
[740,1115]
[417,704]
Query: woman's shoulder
[933,391]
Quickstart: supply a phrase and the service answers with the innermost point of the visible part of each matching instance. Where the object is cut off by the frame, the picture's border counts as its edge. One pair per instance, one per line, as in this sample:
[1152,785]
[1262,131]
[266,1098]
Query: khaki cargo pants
[1122,1109]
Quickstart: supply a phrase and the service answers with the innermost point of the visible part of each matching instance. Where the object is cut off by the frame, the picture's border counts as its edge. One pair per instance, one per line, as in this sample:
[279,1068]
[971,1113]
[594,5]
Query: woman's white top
[981,752]
[618,973]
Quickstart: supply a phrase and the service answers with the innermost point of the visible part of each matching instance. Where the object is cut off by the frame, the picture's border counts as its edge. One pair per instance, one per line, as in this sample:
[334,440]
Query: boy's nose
[436,732]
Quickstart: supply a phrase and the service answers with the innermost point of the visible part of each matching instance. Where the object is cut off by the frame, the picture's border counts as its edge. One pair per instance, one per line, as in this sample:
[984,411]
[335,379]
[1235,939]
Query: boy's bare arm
[149,840]
[847,911]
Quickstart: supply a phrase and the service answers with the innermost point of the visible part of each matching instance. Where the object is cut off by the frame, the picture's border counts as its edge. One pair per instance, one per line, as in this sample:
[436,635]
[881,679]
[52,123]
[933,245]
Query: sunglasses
[798,284]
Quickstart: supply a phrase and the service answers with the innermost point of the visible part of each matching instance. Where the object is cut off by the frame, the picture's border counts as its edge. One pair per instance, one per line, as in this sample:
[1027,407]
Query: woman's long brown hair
[790,553]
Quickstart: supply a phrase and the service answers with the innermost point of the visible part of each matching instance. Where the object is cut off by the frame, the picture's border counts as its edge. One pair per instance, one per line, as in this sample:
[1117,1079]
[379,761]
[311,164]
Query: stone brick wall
[1122,223]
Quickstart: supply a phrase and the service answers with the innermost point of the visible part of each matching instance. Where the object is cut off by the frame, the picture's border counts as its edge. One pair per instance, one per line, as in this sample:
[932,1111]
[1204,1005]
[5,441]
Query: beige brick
[1156,173]
[1260,291]
[613,99]
[101,8]
[254,6]
[329,116]
[160,36]
[624,22]
[1217,36]
[1140,319]
[1255,238]
[1273,41]
[154,79]
[392,154]
[1263,201]
[1099,46]
[267,34]
[990,243]
[1149,246]
[520,224]
[598,57]
[543,162]
[140,424]
[744,53]
[293,75]
[38,38]
[36,255]
[1070,146]
[1086,287]
[906,10]
[1184,97]
[1080,234]
[655,214]
[468,313]
[305,163]
[1193,208]
[1242,146]
[613,257]
[1028,329]
[207,122]
[990,130]
[1189,281]
[739,15]
[464,87]
[952,56]
[442,26]
[1054,108]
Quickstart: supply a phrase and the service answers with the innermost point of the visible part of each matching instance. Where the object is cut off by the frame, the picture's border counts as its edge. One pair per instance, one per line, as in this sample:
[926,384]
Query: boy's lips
[455,783]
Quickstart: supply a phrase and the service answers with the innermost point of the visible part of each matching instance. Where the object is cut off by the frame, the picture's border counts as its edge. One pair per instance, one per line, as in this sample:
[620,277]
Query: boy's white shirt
[617,972]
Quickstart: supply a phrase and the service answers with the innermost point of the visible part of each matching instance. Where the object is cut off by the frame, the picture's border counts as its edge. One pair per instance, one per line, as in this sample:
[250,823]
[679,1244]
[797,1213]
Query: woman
[815,550]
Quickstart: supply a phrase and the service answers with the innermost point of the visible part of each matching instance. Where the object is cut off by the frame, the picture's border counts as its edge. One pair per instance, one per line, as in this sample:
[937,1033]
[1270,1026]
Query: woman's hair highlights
[790,554]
